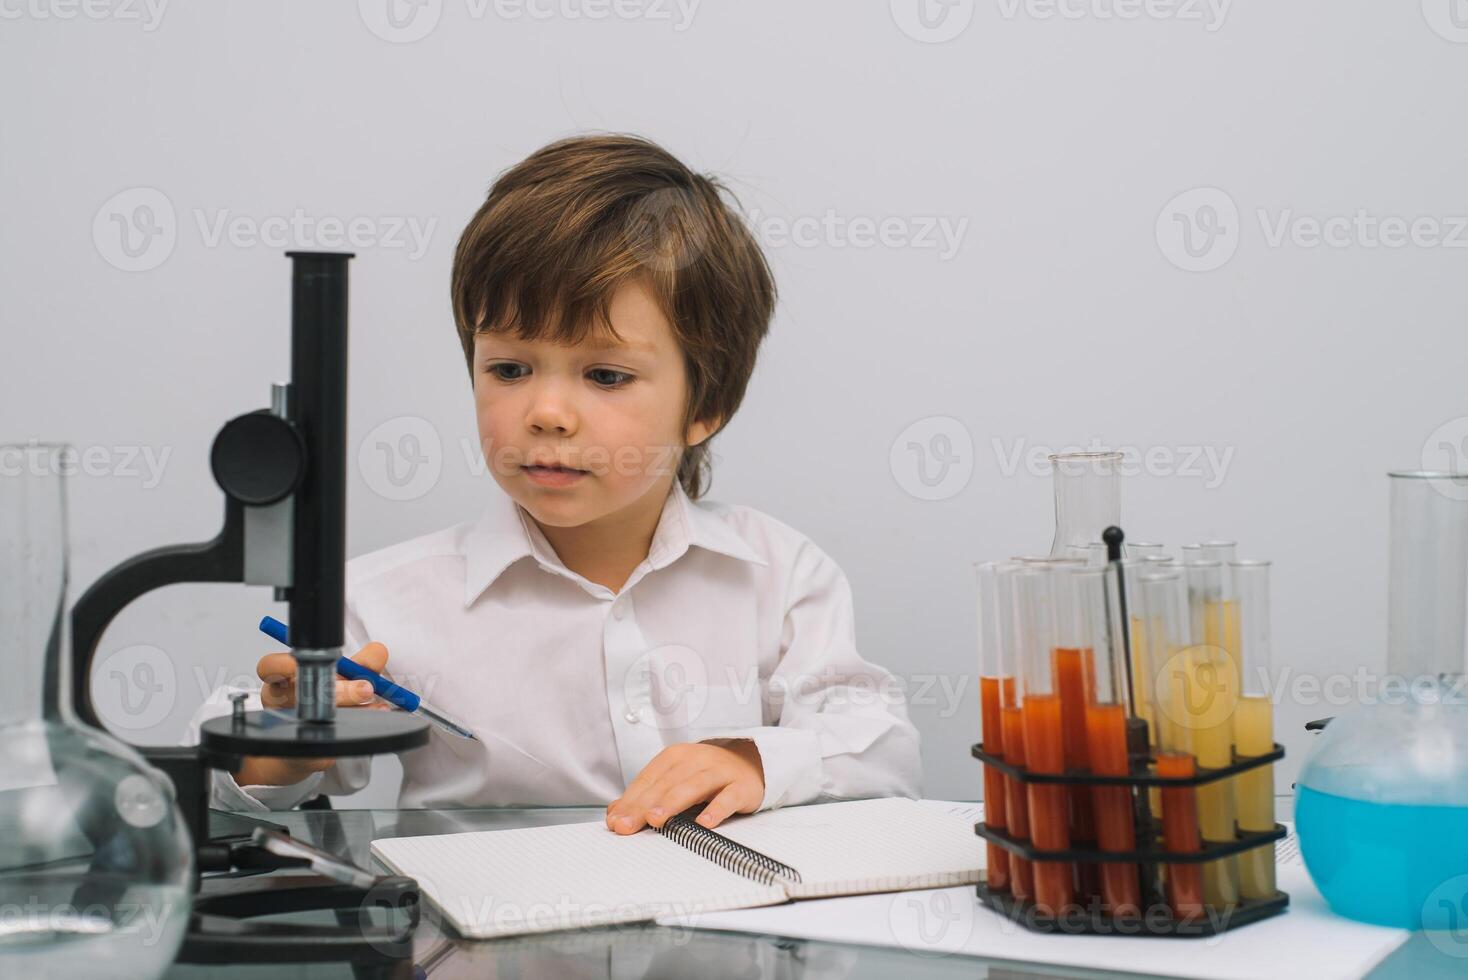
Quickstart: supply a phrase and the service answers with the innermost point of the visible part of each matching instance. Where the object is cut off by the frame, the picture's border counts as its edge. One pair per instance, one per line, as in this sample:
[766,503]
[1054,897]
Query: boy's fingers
[643,781]
[675,798]
[353,694]
[721,806]
[276,668]
[672,795]
[373,656]
[629,814]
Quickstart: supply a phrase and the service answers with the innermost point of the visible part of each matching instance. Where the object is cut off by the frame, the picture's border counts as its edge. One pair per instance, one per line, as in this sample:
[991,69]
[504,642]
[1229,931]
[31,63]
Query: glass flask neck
[33,578]
[1427,608]
[1087,499]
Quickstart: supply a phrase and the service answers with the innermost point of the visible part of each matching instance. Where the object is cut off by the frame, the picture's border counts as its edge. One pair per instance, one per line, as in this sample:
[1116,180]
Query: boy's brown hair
[564,228]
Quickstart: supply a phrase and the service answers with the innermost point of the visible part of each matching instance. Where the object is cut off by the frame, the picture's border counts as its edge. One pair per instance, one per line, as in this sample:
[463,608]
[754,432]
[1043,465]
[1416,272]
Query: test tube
[1141,549]
[1044,734]
[1107,711]
[1072,663]
[1011,703]
[991,682]
[1209,673]
[1132,570]
[1163,620]
[1220,551]
[1254,724]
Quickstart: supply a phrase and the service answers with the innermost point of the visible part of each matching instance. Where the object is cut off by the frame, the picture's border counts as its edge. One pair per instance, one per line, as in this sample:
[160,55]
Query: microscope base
[278,734]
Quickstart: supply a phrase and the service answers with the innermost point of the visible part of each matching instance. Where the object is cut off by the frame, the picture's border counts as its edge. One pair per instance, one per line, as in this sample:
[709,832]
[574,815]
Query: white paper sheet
[1306,941]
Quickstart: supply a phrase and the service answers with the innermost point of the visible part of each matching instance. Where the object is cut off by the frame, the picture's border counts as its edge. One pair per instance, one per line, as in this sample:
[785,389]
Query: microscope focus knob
[258,458]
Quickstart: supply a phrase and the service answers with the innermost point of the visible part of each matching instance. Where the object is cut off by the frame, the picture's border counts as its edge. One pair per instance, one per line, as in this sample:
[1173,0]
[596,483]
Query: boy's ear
[702,430]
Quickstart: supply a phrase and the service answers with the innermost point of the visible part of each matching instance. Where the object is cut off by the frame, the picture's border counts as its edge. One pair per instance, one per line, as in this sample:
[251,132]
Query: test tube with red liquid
[1044,733]
[1108,712]
[991,682]
[1164,622]
[1073,665]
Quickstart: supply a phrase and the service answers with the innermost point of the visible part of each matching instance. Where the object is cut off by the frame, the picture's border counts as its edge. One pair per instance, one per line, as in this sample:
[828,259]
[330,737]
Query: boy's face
[611,414]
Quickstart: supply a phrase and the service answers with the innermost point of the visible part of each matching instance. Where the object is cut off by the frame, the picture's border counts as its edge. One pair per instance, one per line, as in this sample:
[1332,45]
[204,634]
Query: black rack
[1155,917]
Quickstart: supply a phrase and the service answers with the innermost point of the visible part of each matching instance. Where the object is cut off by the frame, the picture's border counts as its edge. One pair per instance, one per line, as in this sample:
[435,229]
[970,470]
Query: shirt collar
[505,533]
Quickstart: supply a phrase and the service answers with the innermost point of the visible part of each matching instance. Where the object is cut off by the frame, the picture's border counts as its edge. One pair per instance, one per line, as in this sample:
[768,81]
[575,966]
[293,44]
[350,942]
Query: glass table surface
[645,949]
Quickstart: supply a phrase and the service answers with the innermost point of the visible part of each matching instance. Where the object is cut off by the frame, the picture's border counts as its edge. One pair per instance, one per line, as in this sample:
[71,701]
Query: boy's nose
[550,412]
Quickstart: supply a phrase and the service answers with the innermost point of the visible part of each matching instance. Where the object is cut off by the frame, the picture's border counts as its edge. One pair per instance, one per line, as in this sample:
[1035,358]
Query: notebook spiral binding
[727,854]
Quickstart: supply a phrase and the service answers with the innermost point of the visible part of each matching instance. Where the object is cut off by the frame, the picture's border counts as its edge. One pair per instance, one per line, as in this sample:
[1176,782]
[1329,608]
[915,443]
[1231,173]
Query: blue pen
[381,686]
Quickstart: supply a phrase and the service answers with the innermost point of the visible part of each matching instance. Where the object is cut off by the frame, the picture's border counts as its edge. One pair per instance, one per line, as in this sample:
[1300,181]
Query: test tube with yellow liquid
[1207,691]
[1254,724]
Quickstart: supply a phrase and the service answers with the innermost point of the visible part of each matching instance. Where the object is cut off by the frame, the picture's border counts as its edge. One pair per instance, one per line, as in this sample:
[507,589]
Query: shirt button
[632,715]
[619,610]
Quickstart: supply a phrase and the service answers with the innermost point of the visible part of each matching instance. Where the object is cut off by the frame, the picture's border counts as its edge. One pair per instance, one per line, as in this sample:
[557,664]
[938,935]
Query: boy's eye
[498,370]
[608,378]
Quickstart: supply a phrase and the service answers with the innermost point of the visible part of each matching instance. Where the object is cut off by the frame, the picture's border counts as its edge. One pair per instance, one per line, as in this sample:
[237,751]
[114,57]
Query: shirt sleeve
[841,730]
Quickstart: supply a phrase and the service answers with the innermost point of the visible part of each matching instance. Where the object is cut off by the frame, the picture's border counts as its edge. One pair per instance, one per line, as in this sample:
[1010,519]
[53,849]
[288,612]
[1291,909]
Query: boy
[608,638]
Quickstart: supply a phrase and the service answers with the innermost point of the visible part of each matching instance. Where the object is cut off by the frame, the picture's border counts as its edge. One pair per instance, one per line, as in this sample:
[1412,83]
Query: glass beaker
[1087,499]
[96,865]
[1427,598]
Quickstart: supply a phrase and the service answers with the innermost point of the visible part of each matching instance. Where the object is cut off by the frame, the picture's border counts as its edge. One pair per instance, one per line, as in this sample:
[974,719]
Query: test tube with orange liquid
[1254,724]
[1011,715]
[1108,714]
[1163,621]
[1207,675]
[991,683]
[1073,668]
[1044,734]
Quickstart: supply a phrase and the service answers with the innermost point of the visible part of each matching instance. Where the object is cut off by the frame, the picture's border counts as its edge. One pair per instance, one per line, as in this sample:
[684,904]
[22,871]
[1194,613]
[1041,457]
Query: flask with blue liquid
[1381,806]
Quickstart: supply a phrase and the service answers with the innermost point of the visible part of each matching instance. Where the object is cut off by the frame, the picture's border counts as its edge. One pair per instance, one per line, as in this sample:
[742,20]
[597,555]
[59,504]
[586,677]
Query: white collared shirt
[734,626]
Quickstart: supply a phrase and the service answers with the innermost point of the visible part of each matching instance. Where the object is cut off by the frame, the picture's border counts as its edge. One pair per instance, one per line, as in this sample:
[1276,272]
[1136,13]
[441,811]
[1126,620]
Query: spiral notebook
[509,882]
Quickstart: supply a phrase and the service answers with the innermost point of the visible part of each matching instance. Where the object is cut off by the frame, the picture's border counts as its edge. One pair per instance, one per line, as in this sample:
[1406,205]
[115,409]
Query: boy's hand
[278,671]
[727,773]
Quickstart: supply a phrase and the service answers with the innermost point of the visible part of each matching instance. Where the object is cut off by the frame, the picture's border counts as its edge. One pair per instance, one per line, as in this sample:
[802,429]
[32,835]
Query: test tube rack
[1155,916]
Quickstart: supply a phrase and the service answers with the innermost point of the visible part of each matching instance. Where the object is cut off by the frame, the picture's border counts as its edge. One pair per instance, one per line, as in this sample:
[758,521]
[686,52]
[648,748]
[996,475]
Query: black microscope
[283,473]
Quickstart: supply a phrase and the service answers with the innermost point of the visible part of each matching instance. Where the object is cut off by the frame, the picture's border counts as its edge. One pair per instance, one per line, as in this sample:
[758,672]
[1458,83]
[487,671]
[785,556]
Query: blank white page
[506,882]
[864,845]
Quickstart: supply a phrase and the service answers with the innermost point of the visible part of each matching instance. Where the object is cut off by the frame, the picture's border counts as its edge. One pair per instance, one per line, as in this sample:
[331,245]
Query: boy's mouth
[553,476]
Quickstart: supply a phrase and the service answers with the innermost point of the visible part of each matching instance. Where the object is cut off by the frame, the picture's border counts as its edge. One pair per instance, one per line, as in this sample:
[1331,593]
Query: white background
[1064,316]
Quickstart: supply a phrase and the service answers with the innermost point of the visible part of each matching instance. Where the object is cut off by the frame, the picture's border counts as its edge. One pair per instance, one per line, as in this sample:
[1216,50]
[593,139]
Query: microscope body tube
[319,410]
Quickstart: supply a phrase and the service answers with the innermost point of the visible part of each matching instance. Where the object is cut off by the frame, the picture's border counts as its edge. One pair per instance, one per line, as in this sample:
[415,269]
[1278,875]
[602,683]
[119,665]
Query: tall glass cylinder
[95,862]
[1087,499]
[1428,583]
[1254,723]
